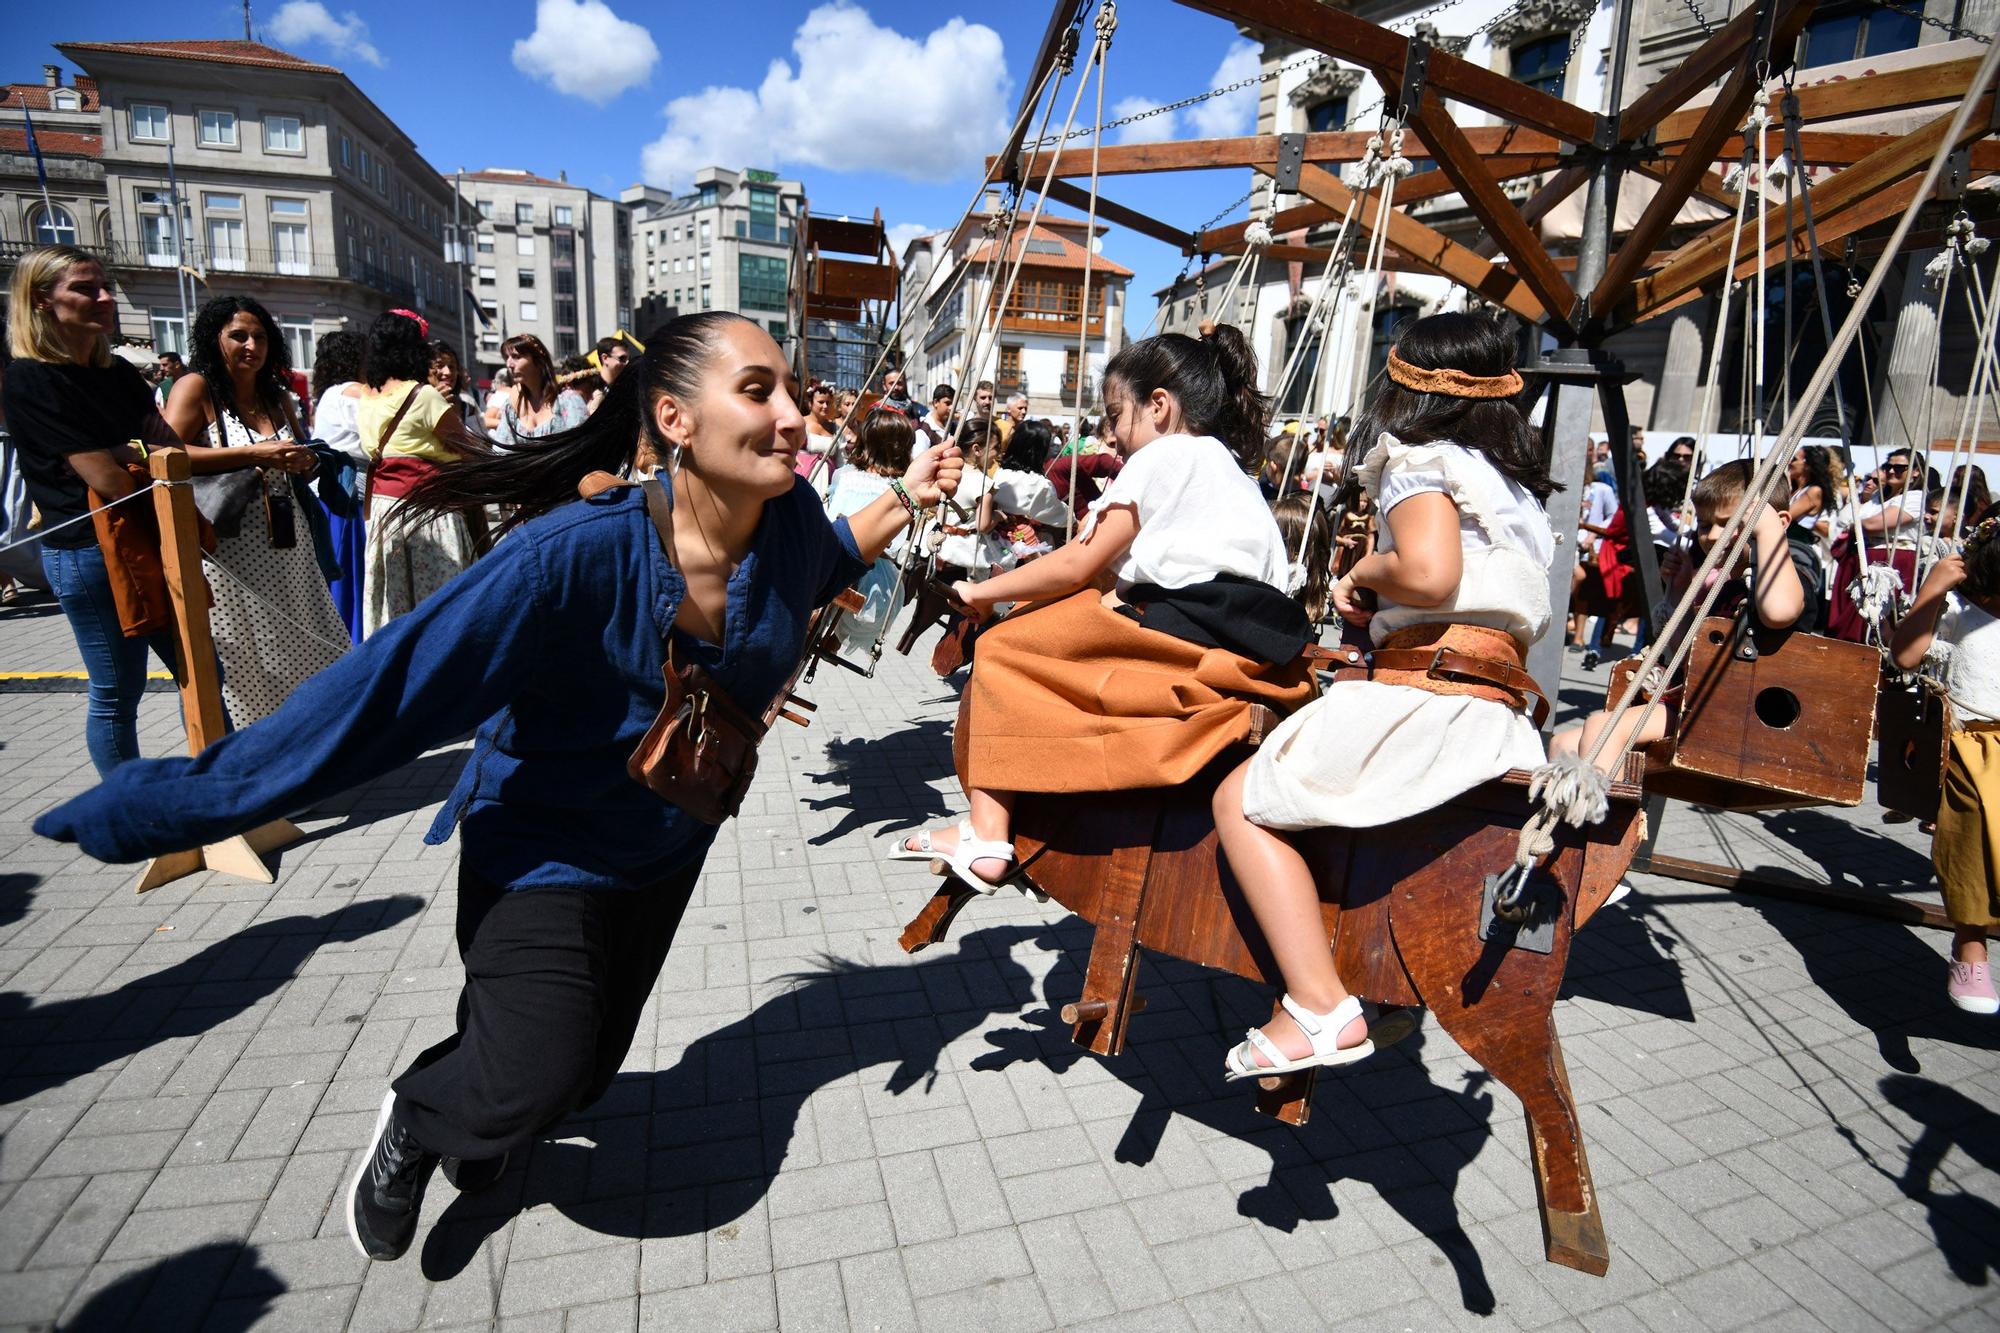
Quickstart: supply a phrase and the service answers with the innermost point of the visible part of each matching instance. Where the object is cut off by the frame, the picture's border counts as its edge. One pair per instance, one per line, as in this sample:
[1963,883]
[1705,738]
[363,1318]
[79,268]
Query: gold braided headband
[1453,383]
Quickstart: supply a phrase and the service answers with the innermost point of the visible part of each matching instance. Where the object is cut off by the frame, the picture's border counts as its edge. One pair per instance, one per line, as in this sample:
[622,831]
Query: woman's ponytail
[1214,380]
[1251,409]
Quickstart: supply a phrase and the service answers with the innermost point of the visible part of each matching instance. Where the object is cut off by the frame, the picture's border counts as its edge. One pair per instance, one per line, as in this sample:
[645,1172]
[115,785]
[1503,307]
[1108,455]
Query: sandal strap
[1273,1057]
[972,849]
[1330,1023]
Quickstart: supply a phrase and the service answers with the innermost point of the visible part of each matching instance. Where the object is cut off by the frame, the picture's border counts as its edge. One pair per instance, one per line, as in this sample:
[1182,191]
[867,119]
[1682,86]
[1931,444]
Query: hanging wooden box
[1769,720]
[1915,737]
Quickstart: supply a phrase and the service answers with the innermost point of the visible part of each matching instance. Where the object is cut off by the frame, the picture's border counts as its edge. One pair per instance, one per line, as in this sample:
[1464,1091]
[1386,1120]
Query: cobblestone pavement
[1788,1126]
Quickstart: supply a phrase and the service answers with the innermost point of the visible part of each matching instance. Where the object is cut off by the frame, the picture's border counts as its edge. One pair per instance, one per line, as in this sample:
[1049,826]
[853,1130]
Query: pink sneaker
[1971,988]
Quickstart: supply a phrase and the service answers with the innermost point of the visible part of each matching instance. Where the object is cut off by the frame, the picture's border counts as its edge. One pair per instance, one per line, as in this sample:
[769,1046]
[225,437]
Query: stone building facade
[724,244]
[69,133]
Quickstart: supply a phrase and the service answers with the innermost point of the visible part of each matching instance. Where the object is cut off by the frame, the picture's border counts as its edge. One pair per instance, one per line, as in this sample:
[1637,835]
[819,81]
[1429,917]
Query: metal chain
[1920,16]
[1708,29]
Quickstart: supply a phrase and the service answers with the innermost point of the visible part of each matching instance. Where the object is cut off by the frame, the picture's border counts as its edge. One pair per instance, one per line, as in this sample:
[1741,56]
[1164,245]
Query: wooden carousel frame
[1665,136]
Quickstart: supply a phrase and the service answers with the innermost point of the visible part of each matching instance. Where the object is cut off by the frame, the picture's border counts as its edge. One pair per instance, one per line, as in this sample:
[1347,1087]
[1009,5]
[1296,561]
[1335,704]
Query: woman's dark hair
[1214,379]
[1977,496]
[444,351]
[1494,427]
[337,359]
[1664,483]
[528,345]
[1029,447]
[1982,553]
[1819,472]
[1296,514]
[540,473]
[205,359]
[397,350]
[882,444]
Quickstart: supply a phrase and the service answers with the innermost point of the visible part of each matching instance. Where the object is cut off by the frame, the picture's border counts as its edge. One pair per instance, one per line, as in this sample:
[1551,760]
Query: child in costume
[1959,606]
[1143,685]
[1459,585]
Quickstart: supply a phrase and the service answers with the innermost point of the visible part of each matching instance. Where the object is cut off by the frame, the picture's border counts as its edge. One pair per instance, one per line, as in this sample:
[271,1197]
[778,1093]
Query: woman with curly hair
[274,619]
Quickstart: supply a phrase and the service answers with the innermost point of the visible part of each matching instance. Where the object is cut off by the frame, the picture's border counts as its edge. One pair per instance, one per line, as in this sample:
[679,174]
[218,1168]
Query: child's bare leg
[1279,888]
[991,815]
[1578,740]
[1968,944]
[1563,743]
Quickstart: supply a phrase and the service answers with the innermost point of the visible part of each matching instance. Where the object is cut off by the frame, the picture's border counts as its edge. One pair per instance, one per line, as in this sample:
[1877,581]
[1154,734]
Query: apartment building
[948,281]
[68,131]
[545,257]
[725,244]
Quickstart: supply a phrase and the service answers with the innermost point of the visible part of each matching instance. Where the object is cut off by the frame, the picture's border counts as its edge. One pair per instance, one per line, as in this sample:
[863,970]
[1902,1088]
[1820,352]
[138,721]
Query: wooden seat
[1915,726]
[1404,907]
[1769,720]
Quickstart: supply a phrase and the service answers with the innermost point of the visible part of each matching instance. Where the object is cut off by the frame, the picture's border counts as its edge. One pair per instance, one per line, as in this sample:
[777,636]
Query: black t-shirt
[54,411]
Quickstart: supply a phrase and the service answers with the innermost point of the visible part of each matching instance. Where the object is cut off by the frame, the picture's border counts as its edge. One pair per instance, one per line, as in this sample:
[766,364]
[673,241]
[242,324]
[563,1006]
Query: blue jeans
[115,664]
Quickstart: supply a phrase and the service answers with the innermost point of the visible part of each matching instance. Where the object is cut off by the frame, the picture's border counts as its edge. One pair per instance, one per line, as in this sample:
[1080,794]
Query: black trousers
[554,981]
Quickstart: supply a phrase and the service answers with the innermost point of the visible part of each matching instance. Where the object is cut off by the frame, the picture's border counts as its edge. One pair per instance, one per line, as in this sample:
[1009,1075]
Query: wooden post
[201,686]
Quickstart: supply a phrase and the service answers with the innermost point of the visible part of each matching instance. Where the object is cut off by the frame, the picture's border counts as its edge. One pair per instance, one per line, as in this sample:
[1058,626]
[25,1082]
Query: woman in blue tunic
[572,877]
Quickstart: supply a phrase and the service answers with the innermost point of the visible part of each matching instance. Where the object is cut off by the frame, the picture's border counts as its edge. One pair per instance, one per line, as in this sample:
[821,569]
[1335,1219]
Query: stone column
[1677,397]
[1903,380]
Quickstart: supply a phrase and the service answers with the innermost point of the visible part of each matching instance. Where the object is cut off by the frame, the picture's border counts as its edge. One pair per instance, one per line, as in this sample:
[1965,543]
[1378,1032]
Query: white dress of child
[1367,753]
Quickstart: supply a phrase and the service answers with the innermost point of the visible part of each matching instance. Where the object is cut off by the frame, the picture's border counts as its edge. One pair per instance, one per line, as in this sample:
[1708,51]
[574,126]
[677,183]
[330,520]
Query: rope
[1537,836]
[71,523]
[1107,24]
[338,649]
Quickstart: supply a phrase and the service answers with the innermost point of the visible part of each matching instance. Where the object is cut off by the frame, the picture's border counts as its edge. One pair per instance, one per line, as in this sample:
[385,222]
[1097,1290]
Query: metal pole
[183,283]
[458,251]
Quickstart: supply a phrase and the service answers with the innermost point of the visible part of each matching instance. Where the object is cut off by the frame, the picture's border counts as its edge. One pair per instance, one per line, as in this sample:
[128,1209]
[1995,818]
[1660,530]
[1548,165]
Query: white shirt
[334,423]
[1199,516]
[1972,673]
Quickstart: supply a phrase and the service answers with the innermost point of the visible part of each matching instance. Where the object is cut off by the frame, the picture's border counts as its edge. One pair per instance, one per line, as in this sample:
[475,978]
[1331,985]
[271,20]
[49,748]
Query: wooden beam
[1109,211]
[1323,28]
[1459,162]
[1250,150]
[1710,187]
[1899,90]
[1411,189]
[1707,63]
[1718,121]
[1429,250]
[1832,148]
[1707,255]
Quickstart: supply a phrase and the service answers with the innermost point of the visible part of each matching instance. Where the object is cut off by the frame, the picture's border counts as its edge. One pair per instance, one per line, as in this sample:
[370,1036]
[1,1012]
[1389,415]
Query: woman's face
[243,344]
[743,429]
[444,376]
[523,368]
[822,403]
[82,303]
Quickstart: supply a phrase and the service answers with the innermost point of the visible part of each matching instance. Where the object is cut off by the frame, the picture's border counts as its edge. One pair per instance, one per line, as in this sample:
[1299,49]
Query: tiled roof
[504,176]
[221,53]
[35,96]
[1073,254]
[53,143]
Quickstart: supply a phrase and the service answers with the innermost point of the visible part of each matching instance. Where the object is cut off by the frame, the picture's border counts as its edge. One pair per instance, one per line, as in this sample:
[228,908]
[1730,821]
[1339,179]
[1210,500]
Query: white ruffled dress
[1366,753]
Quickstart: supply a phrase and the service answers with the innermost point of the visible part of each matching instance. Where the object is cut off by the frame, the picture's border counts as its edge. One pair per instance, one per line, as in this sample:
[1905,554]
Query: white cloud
[308,22]
[861,98]
[1151,130]
[903,233]
[581,48]
[1235,113]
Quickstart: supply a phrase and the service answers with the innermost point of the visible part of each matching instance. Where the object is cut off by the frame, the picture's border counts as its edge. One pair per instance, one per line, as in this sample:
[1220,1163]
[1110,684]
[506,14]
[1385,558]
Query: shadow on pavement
[1967,1226]
[17,890]
[1623,957]
[886,779]
[690,1149]
[181,1292]
[46,1045]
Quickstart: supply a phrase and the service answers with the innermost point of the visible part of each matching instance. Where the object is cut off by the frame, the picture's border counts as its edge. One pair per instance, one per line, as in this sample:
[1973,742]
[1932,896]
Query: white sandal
[900,850]
[972,849]
[1323,1030]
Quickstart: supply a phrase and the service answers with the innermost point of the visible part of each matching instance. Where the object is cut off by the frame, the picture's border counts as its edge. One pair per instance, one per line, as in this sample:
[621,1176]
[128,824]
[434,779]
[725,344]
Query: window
[652,241]
[563,245]
[484,243]
[485,207]
[524,213]
[291,237]
[1850,32]
[226,248]
[52,224]
[1070,364]
[1541,63]
[169,331]
[149,122]
[524,245]
[366,172]
[707,265]
[760,282]
[64,100]
[564,216]
[566,315]
[346,152]
[707,232]
[1328,115]
[490,309]
[381,176]
[530,312]
[284,134]
[157,237]
[704,293]
[763,214]
[218,129]
[1010,366]
[298,336]
[778,330]
[565,282]
[524,278]
[487,276]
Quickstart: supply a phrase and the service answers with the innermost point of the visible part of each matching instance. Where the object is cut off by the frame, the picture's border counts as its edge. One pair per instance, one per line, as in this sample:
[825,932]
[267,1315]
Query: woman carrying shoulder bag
[561,646]
[74,410]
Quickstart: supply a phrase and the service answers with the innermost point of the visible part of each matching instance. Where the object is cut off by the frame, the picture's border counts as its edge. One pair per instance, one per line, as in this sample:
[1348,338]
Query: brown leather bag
[129,537]
[701,751]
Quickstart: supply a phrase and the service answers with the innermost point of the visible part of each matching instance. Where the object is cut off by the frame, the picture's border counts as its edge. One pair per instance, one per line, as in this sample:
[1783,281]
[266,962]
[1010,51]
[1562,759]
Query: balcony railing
[253,260]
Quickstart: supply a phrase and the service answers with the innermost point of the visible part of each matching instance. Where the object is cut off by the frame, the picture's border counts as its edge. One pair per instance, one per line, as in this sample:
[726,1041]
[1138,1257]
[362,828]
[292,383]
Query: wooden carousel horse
[1410,909]
[1768,719]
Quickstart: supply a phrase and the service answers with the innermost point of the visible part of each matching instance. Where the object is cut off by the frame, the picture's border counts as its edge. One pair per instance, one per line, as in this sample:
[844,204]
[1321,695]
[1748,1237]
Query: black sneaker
[469,1175]
[388,1189]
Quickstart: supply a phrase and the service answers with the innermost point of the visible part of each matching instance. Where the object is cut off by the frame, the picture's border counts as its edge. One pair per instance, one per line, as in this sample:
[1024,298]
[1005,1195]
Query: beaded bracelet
[902,493]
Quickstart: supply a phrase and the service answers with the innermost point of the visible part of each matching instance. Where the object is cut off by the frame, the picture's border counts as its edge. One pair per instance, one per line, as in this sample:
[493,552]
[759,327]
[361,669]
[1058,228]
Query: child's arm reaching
[1781,598]
[1074,567]
[1422,570]
[1918,626]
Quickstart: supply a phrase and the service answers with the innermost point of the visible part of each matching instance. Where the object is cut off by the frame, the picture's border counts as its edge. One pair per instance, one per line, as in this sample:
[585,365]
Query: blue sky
[884,104]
